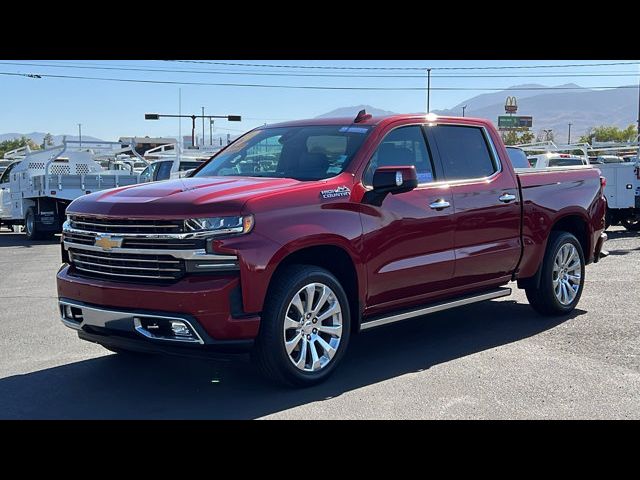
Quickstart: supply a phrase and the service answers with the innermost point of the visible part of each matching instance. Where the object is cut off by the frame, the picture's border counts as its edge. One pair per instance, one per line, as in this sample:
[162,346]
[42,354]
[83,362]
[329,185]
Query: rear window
[518,157]
[564,162]
[464,152]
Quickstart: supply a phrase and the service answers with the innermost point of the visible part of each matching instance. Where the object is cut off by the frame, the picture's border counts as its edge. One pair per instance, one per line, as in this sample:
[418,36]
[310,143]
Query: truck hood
[179,198]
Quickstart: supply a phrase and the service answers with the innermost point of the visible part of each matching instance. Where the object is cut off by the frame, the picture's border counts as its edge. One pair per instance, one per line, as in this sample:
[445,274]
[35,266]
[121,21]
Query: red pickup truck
[300,234]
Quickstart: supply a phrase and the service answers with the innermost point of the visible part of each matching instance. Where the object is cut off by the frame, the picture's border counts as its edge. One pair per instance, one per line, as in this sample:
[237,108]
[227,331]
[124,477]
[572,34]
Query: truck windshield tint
[300,152]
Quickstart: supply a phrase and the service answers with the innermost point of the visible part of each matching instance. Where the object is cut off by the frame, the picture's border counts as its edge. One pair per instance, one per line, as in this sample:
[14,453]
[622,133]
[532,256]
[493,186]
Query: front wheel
[305,327]
[631,224]
[562,276]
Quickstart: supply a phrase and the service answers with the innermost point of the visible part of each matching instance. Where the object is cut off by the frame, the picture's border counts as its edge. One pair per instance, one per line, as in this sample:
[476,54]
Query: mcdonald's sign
[511,105]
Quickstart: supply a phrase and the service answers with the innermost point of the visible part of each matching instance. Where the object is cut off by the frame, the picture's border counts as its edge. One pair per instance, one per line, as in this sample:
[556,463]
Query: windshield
[300,152]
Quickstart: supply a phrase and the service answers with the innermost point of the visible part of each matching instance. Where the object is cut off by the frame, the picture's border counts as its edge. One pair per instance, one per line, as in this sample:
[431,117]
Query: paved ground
[491,360]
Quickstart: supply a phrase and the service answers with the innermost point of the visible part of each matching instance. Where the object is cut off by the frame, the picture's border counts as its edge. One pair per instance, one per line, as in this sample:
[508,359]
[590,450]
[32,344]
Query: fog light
[180,329]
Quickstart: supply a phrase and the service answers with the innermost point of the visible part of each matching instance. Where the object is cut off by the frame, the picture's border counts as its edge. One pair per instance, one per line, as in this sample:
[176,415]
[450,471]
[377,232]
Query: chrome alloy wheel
[567,274]
[313,327]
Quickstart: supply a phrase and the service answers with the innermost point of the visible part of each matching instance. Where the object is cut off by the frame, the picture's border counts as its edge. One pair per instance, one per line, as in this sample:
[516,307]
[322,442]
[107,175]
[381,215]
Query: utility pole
[203,126]
[463,109]
[80,134]
[428,89]
[569,137]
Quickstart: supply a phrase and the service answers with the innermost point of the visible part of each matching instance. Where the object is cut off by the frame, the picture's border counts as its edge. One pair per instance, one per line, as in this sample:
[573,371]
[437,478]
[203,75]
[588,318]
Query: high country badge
[337,192]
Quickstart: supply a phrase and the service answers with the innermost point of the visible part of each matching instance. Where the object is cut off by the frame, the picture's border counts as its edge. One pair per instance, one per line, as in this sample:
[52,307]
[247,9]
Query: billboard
[515,121]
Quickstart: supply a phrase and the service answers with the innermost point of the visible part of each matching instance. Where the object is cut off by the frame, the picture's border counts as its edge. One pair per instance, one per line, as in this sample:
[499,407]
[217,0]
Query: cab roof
[379,120]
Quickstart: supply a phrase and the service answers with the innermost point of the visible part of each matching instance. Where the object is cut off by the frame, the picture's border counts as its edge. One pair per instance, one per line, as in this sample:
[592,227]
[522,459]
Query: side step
[436,307]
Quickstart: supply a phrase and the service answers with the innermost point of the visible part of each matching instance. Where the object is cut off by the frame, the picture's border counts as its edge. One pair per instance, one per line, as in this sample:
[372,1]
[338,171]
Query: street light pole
[463,109]
[80,134]
[203,126]
[569,137]
[428,90]
[193,131]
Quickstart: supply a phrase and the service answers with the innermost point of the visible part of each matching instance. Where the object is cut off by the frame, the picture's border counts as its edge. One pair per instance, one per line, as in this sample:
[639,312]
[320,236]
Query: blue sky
[110,109]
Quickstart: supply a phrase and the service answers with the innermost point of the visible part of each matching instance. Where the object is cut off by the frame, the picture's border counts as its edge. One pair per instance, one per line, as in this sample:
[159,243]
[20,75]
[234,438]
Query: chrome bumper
[76,316]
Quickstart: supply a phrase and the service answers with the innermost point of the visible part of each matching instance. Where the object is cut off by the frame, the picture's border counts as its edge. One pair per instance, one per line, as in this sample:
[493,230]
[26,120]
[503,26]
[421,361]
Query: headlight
[220,225]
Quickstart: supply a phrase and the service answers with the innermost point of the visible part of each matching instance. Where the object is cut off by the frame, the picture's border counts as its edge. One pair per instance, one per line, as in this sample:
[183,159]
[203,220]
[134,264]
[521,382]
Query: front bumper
[122,329]
[208,302]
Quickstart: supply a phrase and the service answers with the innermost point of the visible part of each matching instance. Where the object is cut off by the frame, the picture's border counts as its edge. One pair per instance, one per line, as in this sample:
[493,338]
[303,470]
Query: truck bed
[548,195]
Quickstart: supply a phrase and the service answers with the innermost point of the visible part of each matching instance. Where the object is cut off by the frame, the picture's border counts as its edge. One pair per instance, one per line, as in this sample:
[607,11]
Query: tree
[47,141]
[12,144]
[610,133]
[511,137]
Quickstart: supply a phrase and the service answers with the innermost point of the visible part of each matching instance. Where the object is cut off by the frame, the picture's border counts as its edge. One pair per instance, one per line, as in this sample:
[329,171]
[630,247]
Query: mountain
[550,109]
[38,137]
[353,111]
[583,107]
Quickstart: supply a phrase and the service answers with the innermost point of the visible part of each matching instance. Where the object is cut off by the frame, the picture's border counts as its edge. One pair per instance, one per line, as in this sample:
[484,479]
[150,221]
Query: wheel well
[575,225]
[339,263]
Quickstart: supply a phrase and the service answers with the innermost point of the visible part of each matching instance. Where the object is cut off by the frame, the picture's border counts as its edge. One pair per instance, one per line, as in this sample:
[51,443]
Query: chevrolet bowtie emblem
[107,242]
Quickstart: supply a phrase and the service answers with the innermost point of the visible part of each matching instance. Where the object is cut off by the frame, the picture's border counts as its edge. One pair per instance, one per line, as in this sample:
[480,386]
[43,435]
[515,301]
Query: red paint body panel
[204,298]
[403,252]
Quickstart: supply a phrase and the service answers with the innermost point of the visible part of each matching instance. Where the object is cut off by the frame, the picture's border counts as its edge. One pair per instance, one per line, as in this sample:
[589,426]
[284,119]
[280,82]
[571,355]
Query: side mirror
[391,180]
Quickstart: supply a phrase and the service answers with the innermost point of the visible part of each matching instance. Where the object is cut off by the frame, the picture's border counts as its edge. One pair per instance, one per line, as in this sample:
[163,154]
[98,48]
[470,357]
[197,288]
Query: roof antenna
[362,116]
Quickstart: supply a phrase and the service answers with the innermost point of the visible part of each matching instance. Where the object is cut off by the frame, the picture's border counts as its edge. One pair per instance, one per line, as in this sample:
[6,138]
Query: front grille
[120,225]
[125,266]
[89,238]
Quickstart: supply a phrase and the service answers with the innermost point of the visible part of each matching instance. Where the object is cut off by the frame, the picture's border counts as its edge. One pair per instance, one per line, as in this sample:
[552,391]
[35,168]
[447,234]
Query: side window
[4,178]
[164,170]
[464,152]
[402,147]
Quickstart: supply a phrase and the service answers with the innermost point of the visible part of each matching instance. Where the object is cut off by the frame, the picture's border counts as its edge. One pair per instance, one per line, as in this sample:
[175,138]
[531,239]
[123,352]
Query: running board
[437,307]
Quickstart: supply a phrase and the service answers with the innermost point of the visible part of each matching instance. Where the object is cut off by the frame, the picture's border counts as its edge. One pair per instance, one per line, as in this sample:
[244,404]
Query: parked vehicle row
[301,234]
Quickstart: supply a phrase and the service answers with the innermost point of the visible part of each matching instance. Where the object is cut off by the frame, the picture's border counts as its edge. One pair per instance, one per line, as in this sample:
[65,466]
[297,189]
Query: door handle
[506,197]
[440,204]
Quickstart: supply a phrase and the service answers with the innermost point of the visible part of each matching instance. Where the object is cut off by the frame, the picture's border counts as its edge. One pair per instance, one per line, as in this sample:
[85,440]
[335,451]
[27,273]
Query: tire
[545,299]
[31,227]
[631,224]
[286,291]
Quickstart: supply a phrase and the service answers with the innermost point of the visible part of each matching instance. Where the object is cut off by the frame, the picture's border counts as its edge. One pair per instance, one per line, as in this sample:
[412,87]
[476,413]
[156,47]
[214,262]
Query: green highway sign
[514,121]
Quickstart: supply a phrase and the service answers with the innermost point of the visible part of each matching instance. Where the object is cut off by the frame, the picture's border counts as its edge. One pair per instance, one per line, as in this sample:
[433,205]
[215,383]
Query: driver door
[408,240]
[5,193]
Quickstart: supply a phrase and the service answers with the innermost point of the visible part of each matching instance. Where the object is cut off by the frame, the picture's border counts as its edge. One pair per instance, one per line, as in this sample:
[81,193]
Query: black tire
[631,224]
[269,354]
[543,299]
[31,227]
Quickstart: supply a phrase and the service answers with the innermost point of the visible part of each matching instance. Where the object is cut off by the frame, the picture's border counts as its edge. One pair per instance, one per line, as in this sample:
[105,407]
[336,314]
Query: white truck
[36,190]
[618,163]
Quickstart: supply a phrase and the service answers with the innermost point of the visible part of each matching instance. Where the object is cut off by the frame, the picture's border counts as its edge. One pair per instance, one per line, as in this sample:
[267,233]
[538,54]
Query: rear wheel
[562,276]
[305,327]
[31,227]
[631,224]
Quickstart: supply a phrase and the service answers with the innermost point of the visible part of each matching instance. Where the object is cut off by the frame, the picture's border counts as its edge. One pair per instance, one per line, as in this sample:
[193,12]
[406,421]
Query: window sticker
[354,129]
[425,177]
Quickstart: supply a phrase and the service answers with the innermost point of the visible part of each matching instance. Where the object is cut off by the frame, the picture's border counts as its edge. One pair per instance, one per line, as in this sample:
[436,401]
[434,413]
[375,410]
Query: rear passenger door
[486,205]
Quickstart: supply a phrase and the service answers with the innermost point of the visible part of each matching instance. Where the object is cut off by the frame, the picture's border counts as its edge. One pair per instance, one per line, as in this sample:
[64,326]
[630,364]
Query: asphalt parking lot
[494,360]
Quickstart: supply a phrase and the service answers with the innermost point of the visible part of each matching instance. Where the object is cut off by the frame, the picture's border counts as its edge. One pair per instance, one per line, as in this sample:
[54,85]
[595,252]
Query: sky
[111,109]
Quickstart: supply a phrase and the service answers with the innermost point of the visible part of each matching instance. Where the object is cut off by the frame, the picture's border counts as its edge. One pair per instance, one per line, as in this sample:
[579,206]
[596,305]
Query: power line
[326,67]
[304,87]
[330,75]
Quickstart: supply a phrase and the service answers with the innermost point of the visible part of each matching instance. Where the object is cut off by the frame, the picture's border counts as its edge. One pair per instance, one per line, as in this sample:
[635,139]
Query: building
[142,144]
